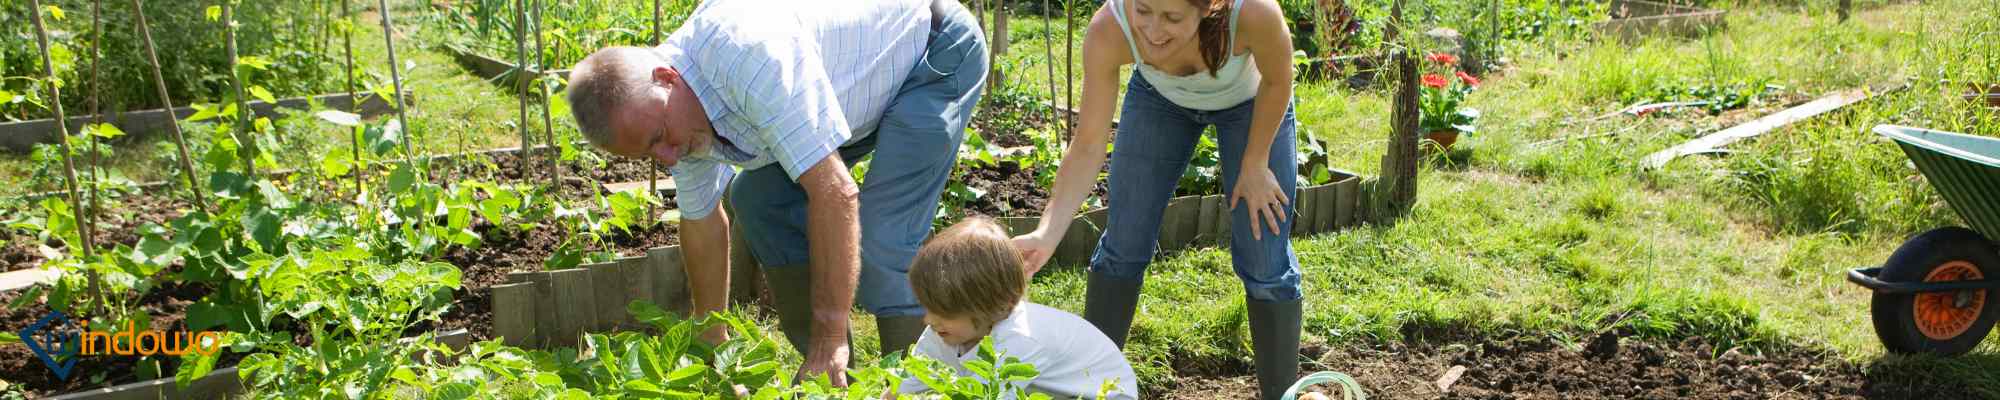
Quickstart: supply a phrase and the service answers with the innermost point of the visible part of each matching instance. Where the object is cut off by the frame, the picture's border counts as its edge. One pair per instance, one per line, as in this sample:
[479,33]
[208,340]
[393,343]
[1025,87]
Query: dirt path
[1606,366]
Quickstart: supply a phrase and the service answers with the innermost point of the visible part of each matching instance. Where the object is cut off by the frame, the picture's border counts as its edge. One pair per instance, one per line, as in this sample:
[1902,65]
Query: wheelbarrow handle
[1866,277]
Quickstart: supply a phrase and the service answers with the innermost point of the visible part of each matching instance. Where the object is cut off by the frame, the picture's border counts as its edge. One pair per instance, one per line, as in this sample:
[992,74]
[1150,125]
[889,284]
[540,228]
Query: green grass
[1568,238]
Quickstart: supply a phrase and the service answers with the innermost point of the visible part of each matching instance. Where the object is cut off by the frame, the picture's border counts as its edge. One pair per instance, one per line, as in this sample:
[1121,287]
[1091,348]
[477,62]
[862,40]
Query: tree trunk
[1397,190]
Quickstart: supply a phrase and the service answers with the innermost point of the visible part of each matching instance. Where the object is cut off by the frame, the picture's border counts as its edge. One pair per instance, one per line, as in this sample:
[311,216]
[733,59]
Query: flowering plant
[1442,105]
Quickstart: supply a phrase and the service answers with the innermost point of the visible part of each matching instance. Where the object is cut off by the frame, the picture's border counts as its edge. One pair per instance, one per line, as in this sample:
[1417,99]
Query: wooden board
[637,275]
[514,313]
[666,186]
[1717,140]
[667,268]
[576,307]
[22,136]
[607,281]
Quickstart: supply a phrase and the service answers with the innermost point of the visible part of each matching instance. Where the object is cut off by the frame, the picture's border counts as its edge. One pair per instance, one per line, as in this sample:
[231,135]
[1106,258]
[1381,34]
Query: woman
[1225,63]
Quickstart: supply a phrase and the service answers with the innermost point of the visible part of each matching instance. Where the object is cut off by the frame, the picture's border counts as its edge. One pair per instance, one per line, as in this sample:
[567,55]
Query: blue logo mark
[49,344]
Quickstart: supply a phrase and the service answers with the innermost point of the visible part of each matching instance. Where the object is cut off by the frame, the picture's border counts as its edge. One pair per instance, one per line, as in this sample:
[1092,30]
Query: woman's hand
[1258,189]
[1035,248]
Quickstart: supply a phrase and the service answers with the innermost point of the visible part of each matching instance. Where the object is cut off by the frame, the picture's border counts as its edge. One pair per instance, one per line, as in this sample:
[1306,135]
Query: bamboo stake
[396,77]
[62,123]
[1049,59]
[548,125]
[96,152]
[521,80]
[166,101]
[1069,64]
[353,103]
[247,145]
[653,169]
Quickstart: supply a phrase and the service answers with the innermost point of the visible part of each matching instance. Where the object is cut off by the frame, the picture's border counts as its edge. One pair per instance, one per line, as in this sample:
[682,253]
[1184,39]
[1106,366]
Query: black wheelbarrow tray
[1940,291]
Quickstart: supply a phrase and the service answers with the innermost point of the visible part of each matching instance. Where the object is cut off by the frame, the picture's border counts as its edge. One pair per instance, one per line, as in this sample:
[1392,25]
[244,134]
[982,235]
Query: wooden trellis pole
[246,142]
[166,101]
[396,77]
[1049,59]
[353,103]
[652,168]
[548,125]
[62,127]
[521,82]
[96,88]
[1069,62]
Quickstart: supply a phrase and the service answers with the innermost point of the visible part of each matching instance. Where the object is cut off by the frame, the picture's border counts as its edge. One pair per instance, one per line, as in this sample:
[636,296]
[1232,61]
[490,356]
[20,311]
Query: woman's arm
[1104,52]
[1261,27]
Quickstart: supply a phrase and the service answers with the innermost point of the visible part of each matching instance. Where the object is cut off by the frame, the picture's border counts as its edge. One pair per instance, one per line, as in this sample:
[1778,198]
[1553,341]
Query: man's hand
[828,358]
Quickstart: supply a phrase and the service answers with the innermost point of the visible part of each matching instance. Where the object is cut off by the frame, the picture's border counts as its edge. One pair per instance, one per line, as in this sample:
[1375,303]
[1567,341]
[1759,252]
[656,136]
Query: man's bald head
[603,83]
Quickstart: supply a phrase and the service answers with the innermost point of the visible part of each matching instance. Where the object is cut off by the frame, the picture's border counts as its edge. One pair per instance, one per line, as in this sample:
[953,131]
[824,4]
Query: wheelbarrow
[1940,291]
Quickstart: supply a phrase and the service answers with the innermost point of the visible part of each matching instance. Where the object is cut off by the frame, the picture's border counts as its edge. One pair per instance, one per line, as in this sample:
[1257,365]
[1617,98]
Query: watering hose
[1349,389]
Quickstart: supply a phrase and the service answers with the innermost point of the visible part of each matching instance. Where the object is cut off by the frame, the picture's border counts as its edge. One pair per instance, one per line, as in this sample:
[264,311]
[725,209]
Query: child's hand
[1035,249]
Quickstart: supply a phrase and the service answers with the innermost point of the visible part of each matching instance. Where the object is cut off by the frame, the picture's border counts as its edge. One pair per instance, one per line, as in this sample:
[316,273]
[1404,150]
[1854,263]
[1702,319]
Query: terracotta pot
[1444,138]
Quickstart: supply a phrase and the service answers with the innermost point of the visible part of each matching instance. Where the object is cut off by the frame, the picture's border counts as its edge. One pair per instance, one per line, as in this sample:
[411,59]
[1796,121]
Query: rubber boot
[1274,336]
[1109,304]
[898,333]
[791,295]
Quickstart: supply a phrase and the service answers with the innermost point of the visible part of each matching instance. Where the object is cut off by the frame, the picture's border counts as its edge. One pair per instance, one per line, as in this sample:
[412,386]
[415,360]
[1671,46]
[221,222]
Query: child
[972,280]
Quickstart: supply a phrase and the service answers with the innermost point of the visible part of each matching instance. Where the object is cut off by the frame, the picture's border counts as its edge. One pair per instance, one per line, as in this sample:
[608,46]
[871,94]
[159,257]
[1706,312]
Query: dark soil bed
[1605,367]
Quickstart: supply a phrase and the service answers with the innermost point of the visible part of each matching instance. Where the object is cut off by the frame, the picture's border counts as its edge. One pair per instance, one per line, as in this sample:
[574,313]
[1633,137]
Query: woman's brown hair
[970,270]
[1213,32]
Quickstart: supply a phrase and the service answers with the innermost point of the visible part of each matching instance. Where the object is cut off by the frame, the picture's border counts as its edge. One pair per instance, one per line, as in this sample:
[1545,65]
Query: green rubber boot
[1274,336]
[1109,304]
[898,333]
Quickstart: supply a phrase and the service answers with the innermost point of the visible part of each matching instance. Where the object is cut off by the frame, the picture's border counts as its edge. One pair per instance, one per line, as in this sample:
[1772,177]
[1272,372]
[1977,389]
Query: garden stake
[353,103]
[521,80]
[542,71]
[62,124]
[396,78]
[1069,61]
[653,169]
[1048,51]
[96,154]
[160,83]
[246,148]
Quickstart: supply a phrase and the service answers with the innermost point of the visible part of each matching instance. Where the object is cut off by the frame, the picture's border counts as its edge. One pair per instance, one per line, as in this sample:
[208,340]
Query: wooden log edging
[1643,18]
[22,136]
[548,309]
[221,383]
[494,70]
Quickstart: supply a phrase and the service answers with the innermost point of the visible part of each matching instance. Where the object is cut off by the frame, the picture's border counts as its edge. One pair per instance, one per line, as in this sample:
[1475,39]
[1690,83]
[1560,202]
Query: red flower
[1435,81]
[1443,58]
[1468,79]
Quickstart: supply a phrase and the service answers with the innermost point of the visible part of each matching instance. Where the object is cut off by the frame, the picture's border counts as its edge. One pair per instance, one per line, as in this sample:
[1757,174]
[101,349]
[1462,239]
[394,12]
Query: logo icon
[49,343]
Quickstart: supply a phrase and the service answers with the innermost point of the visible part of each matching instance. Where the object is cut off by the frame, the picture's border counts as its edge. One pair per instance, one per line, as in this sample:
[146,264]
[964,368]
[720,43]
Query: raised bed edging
[495,70]
[547,309]
[221,383]
[1643,18]
[22,136]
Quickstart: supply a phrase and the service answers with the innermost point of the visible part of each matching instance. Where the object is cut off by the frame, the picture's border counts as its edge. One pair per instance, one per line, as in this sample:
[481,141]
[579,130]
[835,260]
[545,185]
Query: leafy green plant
[571,29]
[1711,96]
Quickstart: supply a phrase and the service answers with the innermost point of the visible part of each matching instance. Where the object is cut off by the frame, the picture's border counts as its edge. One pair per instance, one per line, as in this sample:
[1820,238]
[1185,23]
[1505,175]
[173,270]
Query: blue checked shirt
[788,82]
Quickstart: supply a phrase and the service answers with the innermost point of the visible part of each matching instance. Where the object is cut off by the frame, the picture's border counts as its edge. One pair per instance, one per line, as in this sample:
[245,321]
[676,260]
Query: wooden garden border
[1645,18]
[218,384]
[547,309]
[22,136]
[492,69]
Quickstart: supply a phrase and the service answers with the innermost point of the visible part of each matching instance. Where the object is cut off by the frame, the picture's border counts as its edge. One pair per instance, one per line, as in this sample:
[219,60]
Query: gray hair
[602,83]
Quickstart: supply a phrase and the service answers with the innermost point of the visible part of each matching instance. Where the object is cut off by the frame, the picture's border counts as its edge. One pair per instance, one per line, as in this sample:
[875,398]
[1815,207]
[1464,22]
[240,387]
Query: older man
[791,92]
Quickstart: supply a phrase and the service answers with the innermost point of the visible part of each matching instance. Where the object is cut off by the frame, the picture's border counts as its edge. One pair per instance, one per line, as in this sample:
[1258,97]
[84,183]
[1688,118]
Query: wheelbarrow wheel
[1947,323]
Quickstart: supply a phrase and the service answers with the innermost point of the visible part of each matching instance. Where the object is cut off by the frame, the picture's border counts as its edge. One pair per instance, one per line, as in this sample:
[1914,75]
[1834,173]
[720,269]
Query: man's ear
[666,75]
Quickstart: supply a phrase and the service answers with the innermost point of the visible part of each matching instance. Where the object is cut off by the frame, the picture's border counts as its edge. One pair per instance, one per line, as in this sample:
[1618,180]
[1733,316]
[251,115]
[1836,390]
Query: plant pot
[1443,138]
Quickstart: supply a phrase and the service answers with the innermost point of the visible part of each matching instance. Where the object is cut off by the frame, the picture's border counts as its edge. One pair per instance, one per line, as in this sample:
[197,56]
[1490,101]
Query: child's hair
[971,270]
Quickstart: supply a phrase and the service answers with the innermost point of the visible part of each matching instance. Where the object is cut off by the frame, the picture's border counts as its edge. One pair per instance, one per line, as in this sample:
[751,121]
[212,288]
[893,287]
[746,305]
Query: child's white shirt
[1074,358]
